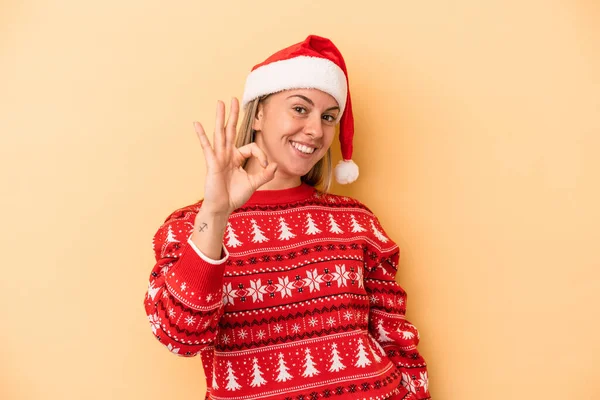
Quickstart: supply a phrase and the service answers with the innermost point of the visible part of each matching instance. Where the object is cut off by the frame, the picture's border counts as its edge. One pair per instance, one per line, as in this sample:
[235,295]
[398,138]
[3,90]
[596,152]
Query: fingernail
[265,164]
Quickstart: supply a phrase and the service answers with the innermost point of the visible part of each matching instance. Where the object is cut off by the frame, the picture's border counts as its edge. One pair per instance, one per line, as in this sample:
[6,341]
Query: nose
[314,126]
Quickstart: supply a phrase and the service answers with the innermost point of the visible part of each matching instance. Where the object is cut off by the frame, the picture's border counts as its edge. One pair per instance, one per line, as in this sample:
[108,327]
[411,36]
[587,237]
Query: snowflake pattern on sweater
[303,304]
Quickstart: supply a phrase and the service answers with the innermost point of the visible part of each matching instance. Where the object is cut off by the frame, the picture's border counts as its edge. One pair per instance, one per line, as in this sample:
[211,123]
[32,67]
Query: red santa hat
[314,63]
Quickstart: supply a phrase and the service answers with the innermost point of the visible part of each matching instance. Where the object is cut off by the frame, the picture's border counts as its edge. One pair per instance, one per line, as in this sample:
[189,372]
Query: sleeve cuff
[224,254]
[197,280]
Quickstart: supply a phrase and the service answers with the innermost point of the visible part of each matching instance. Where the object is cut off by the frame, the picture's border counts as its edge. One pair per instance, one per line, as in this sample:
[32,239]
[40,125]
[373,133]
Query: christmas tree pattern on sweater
[305,306]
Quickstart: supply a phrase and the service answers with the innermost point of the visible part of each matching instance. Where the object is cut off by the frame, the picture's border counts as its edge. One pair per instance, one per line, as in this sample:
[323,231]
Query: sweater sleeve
[183,301]
[387,313]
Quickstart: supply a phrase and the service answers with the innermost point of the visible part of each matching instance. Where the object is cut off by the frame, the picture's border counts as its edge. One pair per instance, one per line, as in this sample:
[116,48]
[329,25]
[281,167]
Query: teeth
[303,148]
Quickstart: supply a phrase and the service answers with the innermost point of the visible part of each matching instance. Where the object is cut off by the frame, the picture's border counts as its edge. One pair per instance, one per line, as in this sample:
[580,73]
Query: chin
[297,172]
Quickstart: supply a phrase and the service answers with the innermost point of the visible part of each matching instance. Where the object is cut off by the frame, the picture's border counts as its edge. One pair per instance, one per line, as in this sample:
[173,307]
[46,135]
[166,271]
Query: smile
[303,148]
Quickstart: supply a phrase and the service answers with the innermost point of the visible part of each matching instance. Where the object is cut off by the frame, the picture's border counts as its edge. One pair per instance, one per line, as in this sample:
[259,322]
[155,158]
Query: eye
[300,110]
[329,118]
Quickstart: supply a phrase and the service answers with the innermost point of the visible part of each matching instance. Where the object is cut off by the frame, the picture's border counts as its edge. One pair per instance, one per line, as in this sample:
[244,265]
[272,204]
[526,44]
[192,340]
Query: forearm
[208,233]
[183,301]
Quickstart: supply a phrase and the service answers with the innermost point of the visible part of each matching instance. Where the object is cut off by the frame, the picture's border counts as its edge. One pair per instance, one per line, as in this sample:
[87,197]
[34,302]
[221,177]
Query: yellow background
[477,134]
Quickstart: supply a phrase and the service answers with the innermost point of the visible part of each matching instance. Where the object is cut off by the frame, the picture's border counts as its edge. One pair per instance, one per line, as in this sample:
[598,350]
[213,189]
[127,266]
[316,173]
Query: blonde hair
[320,174]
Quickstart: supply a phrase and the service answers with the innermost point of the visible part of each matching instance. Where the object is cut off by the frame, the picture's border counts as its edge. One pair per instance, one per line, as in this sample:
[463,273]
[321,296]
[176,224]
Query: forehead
[317,96]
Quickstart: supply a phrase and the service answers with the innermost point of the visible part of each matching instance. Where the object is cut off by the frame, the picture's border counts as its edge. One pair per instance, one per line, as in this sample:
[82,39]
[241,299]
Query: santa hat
[314,63]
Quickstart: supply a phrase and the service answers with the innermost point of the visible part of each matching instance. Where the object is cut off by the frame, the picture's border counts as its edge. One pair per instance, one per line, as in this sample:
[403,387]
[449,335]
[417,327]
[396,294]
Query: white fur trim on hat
[300,72]
[346,172]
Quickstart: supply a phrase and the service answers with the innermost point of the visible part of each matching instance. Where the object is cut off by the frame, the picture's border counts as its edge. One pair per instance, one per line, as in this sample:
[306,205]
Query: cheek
[281,127]
[329,135]
[328,139]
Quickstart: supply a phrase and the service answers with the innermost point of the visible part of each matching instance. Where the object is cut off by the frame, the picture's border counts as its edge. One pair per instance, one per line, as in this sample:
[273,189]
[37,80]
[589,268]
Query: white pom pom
[346,172]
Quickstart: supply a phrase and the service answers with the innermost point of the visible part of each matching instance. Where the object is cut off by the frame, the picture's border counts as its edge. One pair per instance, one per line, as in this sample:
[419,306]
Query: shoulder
[178,222]
[359,215]
[343,202]
[361,220]
[184,213]
[174,231]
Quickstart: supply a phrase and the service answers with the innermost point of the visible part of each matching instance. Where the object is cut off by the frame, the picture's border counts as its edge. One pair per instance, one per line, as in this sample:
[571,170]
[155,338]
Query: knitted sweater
[302,306]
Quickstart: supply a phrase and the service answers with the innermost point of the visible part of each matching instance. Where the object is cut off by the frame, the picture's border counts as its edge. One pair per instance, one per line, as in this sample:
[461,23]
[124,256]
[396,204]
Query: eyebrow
[309,101]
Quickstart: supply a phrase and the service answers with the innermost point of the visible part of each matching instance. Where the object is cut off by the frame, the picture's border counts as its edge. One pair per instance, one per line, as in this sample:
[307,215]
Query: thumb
[266,175]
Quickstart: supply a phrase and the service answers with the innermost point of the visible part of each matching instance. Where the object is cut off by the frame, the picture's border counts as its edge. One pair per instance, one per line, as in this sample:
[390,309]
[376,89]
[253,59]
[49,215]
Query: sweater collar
[282,196]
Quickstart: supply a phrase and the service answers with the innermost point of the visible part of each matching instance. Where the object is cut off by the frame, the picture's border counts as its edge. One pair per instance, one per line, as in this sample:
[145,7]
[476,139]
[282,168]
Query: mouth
[302,148]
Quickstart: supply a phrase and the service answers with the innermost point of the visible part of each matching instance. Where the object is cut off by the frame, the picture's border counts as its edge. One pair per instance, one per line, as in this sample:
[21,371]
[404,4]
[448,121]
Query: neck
[281,180]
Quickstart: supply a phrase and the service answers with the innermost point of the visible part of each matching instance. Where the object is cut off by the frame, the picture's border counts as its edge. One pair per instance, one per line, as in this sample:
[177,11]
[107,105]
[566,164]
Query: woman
[285,291]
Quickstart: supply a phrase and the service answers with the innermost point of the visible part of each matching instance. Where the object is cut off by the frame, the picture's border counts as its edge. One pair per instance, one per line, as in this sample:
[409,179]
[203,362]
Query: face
[295,129]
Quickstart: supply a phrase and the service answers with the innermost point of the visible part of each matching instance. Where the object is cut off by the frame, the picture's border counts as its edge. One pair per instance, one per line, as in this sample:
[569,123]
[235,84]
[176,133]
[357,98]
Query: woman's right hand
[228,186]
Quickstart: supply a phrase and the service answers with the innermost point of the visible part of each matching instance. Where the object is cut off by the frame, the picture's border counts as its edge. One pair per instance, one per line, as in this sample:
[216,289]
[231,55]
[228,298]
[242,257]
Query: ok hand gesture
[228,186]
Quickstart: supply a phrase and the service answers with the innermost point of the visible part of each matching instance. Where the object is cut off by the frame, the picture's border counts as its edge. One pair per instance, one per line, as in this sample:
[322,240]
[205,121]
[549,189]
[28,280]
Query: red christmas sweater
[303,305]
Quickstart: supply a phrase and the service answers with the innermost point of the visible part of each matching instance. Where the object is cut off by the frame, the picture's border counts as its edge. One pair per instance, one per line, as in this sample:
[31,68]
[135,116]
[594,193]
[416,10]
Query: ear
[257,122]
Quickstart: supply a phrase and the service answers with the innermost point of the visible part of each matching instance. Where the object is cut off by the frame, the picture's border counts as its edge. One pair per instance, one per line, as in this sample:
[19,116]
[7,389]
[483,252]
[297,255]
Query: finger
[266,175]
[252,150]
[232,120]
[209,154]
[219,139]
